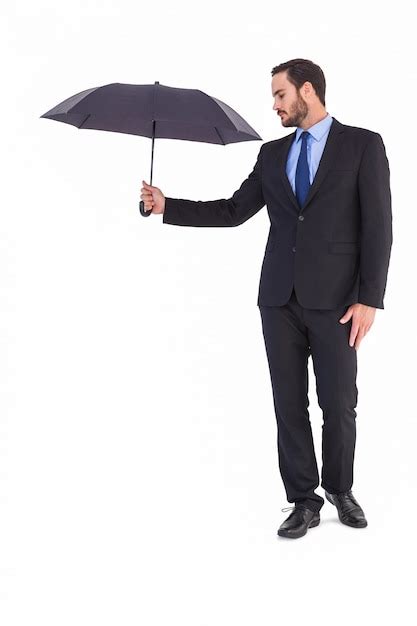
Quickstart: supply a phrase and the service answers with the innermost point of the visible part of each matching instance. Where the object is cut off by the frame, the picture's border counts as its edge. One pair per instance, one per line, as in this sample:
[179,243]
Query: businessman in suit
[324,273]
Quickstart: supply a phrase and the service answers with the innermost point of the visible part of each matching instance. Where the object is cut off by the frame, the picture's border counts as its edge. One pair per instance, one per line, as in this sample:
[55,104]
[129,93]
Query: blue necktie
[302,175]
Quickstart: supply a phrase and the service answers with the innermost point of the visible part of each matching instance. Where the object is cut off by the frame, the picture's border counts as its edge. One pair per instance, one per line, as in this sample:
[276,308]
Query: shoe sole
[344,521]
[283,533]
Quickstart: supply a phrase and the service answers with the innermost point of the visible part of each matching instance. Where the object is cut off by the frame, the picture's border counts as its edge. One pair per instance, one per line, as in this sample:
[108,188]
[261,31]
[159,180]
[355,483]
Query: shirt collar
[317,130]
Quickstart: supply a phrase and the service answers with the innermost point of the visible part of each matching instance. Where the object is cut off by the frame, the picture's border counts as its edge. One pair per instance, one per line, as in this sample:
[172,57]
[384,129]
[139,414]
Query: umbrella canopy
[154,111]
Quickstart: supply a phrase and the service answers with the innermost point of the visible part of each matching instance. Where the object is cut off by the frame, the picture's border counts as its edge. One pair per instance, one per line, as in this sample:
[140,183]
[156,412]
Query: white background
[139,479]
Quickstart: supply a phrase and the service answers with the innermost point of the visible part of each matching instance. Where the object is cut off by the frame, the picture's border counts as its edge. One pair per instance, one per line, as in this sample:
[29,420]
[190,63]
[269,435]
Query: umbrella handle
[142,209]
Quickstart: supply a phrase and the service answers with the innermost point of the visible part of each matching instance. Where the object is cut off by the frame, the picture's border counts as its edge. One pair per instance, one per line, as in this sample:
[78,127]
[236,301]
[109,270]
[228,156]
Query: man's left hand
[362,319]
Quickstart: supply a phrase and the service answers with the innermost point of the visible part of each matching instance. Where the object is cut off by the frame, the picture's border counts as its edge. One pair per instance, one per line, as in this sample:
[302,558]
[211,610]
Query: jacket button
[293,249]
[301,217]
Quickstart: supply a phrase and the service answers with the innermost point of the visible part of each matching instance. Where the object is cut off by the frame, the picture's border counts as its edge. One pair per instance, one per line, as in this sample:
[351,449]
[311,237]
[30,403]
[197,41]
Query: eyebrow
[274,94]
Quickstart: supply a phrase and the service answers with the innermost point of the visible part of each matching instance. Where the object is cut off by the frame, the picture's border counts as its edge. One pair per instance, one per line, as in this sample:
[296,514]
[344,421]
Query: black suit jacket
[336,248]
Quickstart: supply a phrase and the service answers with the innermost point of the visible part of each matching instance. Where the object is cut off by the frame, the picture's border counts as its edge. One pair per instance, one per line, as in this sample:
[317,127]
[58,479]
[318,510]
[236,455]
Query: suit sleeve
[244,203]
[376,222]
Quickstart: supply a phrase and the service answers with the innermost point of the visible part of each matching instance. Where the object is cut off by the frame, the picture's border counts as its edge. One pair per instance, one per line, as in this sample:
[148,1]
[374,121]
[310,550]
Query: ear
[308,88]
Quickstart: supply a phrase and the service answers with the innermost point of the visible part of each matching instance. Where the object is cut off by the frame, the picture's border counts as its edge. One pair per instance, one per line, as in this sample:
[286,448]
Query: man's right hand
[153,198]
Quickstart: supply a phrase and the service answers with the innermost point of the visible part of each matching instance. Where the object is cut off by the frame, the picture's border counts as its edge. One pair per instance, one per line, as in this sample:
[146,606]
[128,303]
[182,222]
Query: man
[324,274]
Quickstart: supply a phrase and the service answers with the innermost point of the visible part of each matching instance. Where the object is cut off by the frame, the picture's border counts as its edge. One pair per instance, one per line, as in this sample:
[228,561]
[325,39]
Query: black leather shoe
[298,522]
[348,509]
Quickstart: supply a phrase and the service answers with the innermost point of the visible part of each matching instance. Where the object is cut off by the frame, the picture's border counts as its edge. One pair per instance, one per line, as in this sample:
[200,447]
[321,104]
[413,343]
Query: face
[288,102]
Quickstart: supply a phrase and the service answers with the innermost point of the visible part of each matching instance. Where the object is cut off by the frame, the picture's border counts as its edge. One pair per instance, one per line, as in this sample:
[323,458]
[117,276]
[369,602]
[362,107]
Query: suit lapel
[282,164]
[327,158]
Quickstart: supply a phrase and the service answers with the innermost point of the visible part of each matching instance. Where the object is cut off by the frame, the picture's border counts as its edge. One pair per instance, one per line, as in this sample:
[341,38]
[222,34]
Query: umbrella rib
[84,121]
[215,128]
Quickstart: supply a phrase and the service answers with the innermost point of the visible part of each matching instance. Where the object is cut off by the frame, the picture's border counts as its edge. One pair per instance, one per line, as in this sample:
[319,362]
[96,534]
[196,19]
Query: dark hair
[300,70]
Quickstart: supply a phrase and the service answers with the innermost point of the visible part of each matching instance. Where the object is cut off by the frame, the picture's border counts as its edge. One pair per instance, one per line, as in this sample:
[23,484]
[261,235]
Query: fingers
[361,323]
[353,333]
[146,196]
[357,333]
[359,338]
[146,191]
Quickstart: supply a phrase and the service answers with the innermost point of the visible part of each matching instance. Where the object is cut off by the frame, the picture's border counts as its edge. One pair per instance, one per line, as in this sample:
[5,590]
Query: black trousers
[292,333]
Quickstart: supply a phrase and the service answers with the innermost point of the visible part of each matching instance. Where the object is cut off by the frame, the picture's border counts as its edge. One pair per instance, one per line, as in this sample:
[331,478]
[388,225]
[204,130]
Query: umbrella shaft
[153,141]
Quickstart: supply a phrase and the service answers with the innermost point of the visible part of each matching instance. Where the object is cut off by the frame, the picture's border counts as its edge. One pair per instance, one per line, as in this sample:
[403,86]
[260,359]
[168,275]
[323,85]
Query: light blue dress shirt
[315,146]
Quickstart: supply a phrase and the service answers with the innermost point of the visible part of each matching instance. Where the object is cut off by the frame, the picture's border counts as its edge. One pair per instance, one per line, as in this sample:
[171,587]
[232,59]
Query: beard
[298,112]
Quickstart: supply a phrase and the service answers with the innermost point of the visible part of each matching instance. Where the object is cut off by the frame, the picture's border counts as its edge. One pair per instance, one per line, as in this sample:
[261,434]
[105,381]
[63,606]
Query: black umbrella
[154,111]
